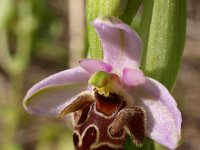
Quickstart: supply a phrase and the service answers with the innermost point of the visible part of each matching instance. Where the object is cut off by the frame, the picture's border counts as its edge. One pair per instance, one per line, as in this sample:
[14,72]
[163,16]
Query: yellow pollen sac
[101,80]
[103,91]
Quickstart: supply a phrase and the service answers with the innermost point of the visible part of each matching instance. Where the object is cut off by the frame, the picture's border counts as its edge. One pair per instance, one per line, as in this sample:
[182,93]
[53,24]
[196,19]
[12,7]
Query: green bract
[162,30]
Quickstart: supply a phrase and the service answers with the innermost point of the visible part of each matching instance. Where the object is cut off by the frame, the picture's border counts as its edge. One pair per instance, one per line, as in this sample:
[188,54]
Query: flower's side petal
[161,125]
[163,117]
[50,95]
[133,77]
[122,46]
[93,65]
[159,91]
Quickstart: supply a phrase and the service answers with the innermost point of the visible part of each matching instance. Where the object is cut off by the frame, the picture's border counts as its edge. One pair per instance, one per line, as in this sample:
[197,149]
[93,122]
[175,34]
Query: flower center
[105,83]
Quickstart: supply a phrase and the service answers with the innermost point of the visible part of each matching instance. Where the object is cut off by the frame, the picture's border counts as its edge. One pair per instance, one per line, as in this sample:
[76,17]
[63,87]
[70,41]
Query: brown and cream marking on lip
[101,123]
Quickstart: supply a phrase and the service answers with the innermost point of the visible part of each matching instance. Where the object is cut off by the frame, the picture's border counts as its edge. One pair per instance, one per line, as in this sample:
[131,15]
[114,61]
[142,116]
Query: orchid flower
[114,90]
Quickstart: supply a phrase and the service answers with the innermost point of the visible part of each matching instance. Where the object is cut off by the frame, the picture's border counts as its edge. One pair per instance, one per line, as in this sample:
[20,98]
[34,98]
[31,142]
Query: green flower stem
[94,9]
[162,30]
[130,10]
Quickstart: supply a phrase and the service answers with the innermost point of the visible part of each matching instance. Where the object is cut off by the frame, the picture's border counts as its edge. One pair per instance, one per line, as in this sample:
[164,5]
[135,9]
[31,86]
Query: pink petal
[163,117]
[53,93]
[161,125]
[157,90]
[133,77]
[94,65]
[122,46]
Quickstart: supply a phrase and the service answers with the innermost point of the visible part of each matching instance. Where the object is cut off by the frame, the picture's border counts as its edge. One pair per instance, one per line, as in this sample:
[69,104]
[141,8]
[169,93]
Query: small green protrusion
[99,79]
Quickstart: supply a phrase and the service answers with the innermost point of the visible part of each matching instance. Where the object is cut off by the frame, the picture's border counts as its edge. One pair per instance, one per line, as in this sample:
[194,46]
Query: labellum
[103,122]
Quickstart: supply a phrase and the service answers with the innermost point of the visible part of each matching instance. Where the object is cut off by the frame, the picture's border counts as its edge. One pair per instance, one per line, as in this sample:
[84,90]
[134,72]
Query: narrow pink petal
[133,77]
[122,46]
[163,117]
[53,93]
[94,65]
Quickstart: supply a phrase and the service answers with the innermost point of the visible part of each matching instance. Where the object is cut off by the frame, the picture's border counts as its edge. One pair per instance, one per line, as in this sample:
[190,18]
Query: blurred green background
[41,37]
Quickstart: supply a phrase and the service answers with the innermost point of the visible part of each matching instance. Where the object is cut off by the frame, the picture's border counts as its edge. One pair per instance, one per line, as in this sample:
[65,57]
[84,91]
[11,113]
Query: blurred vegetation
[33,44]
